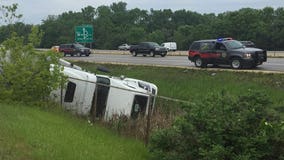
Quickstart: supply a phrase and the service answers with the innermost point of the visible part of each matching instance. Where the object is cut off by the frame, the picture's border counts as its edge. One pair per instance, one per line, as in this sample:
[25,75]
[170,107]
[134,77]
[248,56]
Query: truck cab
[103,96]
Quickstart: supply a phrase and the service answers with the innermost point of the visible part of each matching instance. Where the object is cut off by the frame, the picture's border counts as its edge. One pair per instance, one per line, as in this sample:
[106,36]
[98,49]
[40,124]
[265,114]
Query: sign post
[84,34]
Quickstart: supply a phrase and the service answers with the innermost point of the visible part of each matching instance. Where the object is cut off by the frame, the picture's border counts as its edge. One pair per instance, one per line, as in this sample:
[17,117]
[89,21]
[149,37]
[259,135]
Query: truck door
[207,51]
[139,106]
[100,97]
[144,48]
[221,53]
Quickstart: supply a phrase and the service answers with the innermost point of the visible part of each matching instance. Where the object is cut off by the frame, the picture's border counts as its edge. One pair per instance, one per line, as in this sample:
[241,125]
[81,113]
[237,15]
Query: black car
[225,51]
[74,49]
[148,48]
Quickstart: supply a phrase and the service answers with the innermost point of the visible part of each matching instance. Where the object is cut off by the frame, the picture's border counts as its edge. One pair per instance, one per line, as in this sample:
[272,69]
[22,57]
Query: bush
[25,73]
[223,127]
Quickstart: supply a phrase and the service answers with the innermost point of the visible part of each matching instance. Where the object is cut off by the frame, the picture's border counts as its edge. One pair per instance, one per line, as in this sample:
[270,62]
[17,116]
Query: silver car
[124,47]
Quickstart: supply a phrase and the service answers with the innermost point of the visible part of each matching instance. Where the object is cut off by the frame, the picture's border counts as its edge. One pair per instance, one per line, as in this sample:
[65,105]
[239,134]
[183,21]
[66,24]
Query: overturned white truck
[103,96]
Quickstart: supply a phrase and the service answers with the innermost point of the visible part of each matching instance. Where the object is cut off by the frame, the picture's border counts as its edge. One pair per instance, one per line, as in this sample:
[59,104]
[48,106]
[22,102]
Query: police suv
[225,51]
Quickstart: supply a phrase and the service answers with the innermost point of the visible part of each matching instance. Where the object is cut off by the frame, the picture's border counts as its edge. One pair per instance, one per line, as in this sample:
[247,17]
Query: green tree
[136,34]
[156,36]
[9,14]
[24,73]
[52,32]
[114,24]
[278,28]
[35,36]
[88,14]
[20,28]
[104,27]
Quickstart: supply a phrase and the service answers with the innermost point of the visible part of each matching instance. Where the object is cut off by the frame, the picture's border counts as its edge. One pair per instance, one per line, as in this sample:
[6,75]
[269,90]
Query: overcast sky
[34,11]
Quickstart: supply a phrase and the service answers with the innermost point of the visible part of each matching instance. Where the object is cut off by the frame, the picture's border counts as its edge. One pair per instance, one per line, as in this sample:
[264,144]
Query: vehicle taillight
[190,53]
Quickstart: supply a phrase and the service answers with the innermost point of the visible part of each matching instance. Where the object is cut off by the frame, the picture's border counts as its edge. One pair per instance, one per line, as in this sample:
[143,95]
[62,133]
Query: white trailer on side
[104,96]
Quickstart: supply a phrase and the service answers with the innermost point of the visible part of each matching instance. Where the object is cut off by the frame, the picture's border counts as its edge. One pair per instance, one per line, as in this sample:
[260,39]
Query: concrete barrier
[179,53]
[278,54]
[275,53]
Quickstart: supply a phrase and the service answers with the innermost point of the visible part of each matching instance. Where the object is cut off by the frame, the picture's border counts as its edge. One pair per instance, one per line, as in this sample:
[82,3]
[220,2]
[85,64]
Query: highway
[272,64]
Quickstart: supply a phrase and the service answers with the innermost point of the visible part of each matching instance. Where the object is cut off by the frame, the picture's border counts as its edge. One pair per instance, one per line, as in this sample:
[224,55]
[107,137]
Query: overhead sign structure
[84,34]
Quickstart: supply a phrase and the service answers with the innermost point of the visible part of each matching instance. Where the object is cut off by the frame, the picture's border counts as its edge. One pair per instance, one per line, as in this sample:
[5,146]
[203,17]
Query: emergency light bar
[224,39]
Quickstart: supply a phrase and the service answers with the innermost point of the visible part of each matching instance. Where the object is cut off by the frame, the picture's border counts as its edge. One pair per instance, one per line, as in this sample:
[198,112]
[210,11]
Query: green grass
[190,85]
[34,133]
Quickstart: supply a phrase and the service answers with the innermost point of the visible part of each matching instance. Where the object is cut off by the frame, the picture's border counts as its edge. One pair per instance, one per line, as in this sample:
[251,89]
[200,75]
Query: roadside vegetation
[227,115]
[254,100]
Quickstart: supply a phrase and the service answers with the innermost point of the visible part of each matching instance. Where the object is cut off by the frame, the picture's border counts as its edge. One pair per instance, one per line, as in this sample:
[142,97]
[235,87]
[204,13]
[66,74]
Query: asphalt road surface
[272,64]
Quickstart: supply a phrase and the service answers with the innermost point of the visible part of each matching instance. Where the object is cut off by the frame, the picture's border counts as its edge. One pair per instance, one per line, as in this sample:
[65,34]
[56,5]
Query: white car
[124,47]
[171,46]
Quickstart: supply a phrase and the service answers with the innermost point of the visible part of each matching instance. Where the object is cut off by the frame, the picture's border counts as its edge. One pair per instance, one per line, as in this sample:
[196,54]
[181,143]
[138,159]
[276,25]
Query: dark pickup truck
[225,51]
[148,48]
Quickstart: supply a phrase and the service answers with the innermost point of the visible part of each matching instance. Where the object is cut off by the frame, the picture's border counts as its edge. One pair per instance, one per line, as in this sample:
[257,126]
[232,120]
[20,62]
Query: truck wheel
[134,53]
[199,62]
[163,54]
[152,54]
[236,63]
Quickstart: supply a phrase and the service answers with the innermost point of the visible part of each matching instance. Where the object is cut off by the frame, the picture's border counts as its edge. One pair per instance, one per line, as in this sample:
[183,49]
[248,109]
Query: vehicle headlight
[247,55]
[82,50]
[157,49]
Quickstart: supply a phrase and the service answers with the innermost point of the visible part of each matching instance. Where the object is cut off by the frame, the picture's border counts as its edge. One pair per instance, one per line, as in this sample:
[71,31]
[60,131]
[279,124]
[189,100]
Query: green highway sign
[84,34]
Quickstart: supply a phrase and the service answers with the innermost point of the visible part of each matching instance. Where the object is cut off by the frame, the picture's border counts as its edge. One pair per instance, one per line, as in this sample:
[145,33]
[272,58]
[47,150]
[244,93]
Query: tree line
[115,24]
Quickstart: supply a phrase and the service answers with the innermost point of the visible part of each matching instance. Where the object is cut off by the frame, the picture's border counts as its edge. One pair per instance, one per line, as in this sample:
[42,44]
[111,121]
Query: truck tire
[152,54]
[199,62]
[163,54]
[134,53]
[236,63]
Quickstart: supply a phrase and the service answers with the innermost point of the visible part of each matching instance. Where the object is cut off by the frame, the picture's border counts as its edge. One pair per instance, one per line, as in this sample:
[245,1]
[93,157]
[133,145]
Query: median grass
[188,86]
[191,84]
[35,133]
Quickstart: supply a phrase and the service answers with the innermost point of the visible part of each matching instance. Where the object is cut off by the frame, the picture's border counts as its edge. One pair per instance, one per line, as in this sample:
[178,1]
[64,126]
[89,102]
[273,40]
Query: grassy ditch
[35,133]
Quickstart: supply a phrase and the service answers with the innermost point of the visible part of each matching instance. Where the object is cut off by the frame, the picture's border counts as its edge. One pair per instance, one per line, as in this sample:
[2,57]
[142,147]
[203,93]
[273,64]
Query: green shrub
[25,73]
[223,127]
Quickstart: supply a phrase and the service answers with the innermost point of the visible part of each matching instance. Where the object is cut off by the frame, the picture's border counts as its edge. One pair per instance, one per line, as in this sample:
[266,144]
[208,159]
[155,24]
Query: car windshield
[78,45]
[233,44]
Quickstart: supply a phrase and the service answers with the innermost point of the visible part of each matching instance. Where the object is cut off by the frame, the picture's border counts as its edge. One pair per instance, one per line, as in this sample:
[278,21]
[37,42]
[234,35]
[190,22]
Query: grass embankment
[34,133]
